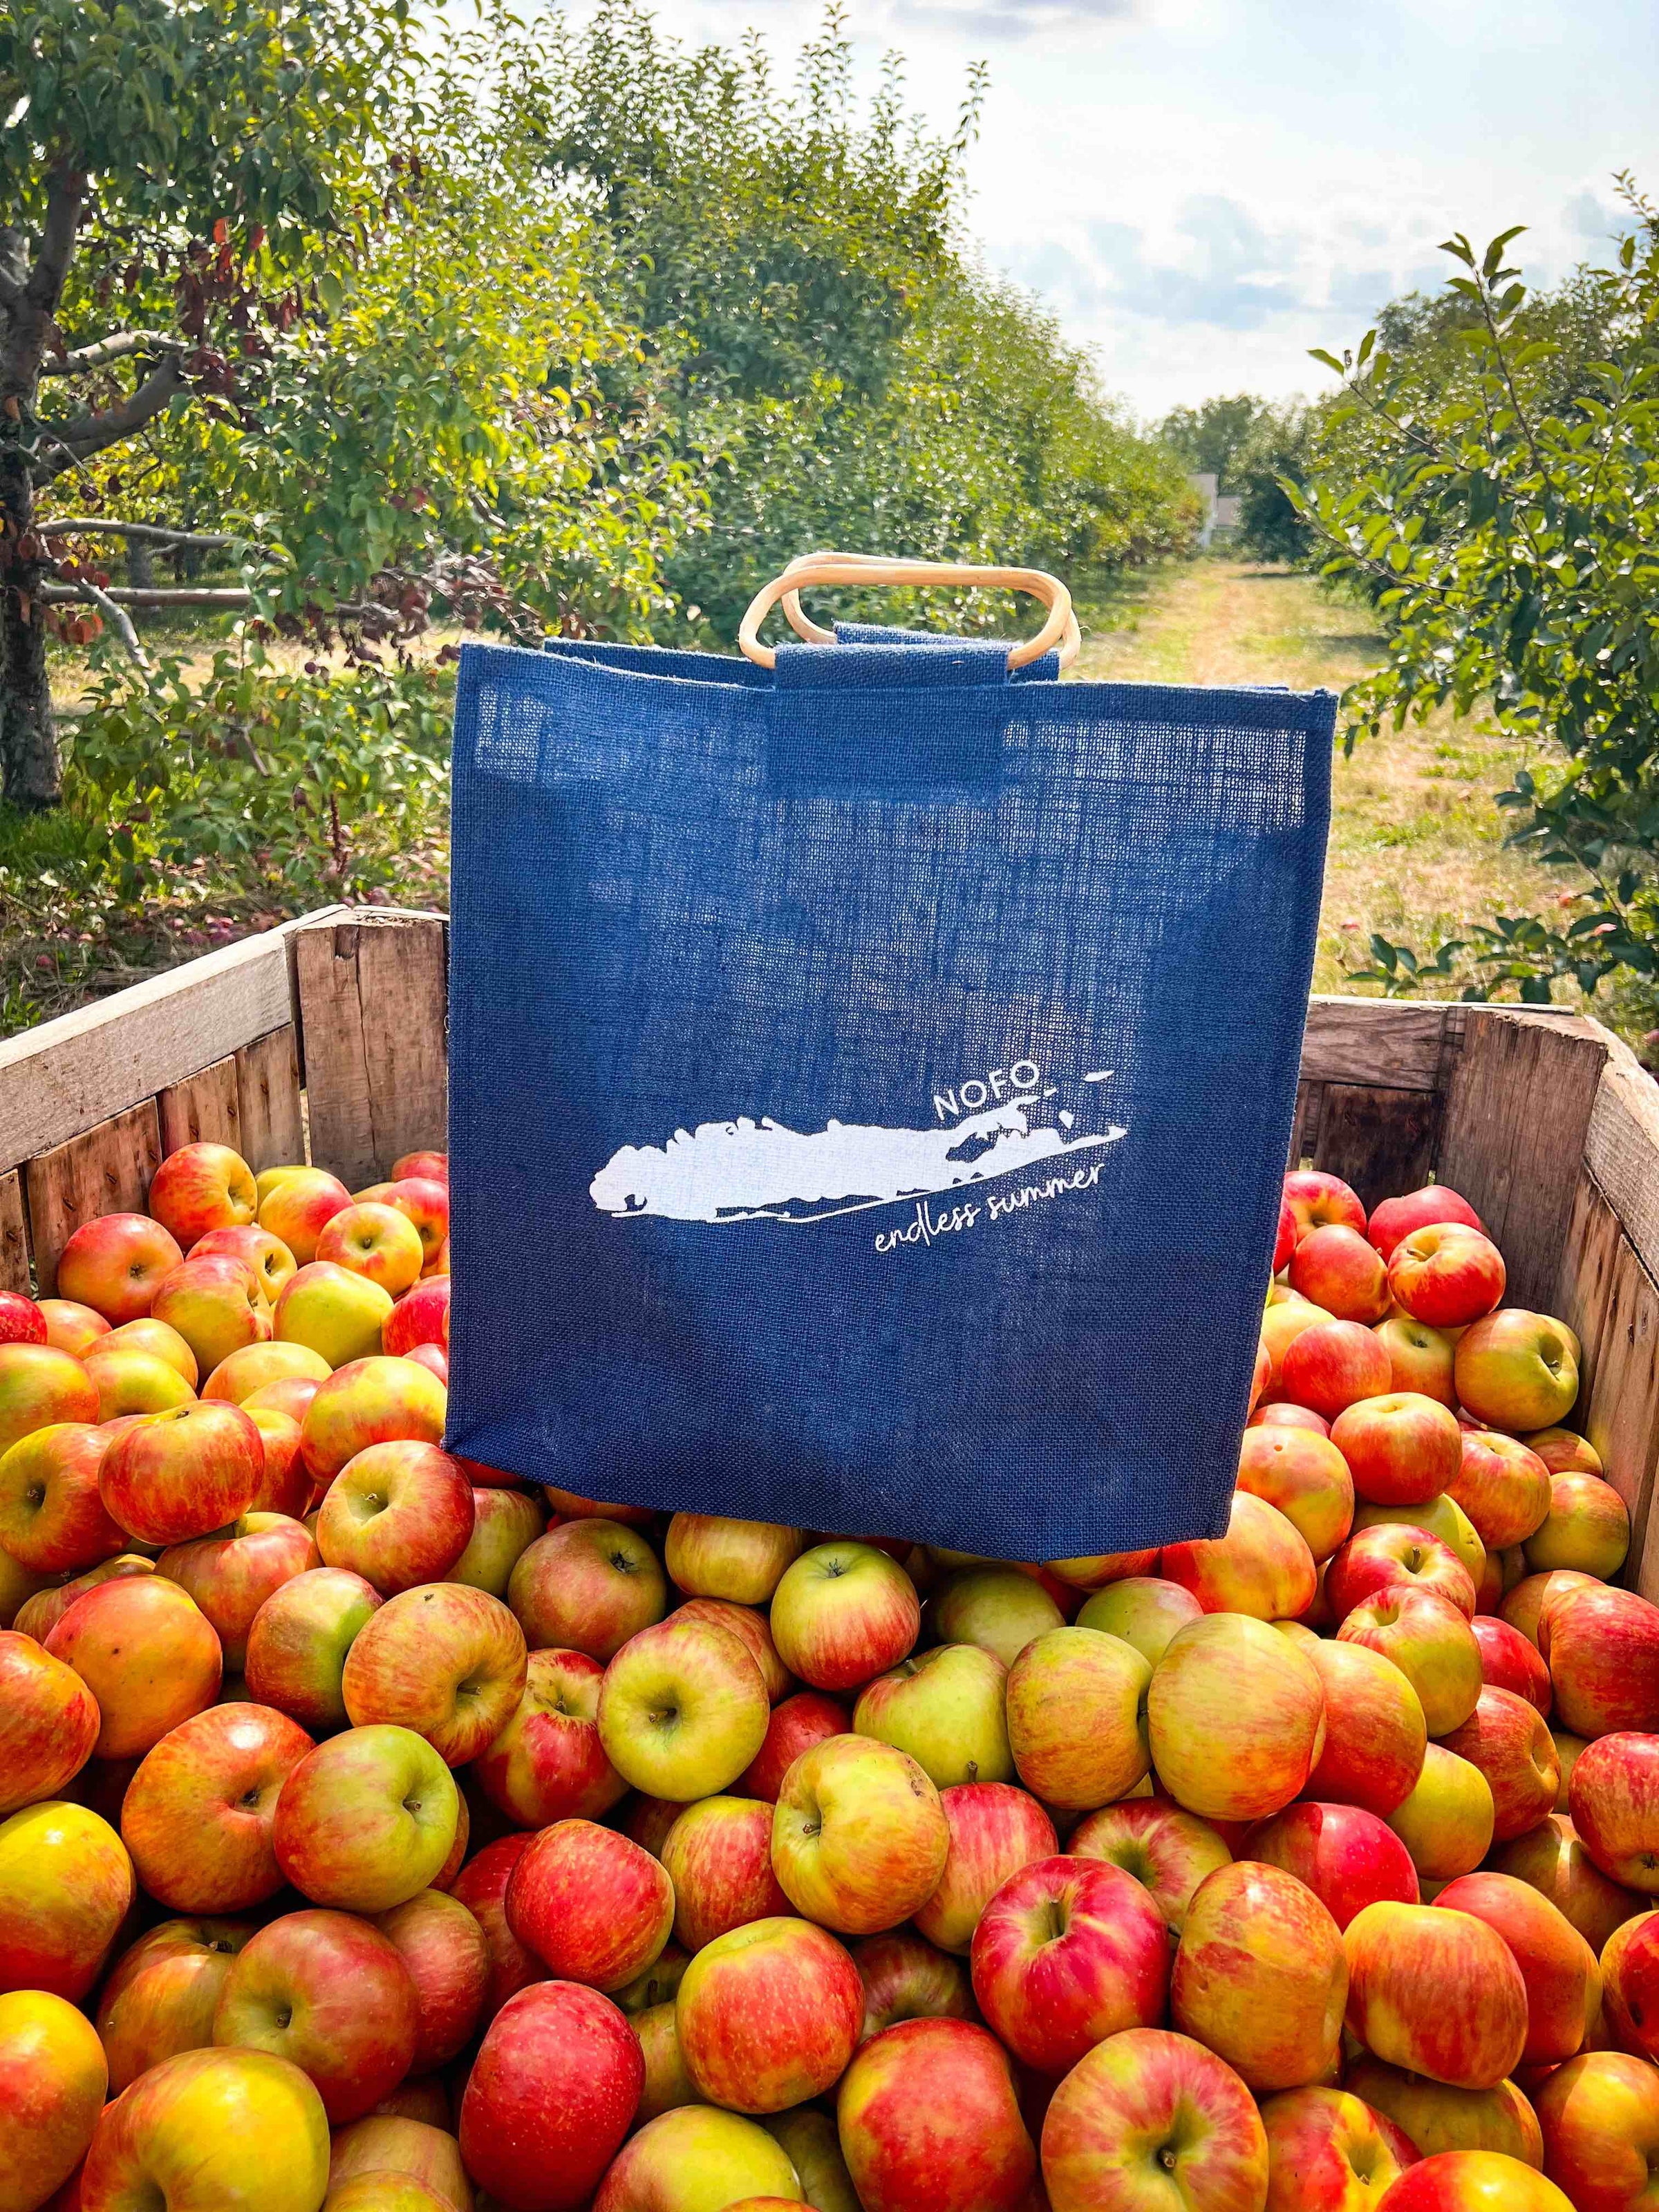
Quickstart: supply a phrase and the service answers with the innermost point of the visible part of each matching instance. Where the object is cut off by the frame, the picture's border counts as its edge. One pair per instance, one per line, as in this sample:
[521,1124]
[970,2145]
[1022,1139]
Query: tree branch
[118,620]
[148,533]
[87,358]
[84,435]
[227,597]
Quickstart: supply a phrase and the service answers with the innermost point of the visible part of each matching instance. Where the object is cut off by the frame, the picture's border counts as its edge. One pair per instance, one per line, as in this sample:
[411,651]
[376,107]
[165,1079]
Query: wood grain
[1304,1126]
[1380,1140]
[1622,1148]
[267,1087]
[204,1109]
[107,1170]
[69,1076]
[14,1235]
[373,995]
[1517,1110]
[1393,1043]
[1612,1303]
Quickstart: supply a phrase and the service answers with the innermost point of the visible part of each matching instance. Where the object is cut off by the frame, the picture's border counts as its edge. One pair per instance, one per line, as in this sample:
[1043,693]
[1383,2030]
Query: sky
[1202,190]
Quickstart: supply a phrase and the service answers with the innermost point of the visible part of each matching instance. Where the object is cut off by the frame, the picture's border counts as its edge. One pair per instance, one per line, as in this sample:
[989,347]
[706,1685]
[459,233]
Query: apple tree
[180,170]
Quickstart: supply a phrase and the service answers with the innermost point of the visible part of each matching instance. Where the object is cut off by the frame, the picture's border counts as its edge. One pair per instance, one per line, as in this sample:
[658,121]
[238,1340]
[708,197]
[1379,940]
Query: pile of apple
[382,1833]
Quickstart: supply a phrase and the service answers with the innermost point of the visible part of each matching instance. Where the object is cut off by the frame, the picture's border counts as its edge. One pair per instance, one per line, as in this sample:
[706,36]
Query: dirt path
[1416,850]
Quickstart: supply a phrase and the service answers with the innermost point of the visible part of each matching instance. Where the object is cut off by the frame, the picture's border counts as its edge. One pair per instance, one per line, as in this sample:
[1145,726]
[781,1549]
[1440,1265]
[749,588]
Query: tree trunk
[141,564]
[28,736]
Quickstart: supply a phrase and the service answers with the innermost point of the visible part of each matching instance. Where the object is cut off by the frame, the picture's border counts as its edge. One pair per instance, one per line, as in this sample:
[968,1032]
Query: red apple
[547,1763]
[1168,1851]
[1067,1951]
[1599,2115]
[1557,1964]
[1346,1857]
[842,1613]
[183,1473]
[859,1839]
[1077,1713]
[796,1725]
[1305,1477]
[1602,1649]
[928,2115]
[1329,2152]
[1335,1267]
[1472,2180]
[236,1379]
[1438,2118]
[1143,1610]
[21,1321]
[683,1708]
[216,1303]
[202,1187]
[1430,1642]
[53,1518]
[995,1830]
[1525,1602]
[550,2097]
[423,1166]
[198,1813]
[40,1385]
[298,1642]
[366,1820]
[1334,1365]
[424,1201]
[286,1486]
[1503,1487]
[1420,1359]
[39,1612]
[128,1380]
[160,1997]
[592,1905]
[1279,1415]
[398,1514]
[1396,1556]
[148,1655]
[1629,1976]
[1447,1274]
[330,1994]
[444,1660]
[290,1394]
[1508,1662]
[379,2163]
[418,1317]
[48,1723]
[1099,1570]
[1509,1740]
[75,1328]
[1261,1977]
[1375,1730]
[718,1857]
[448,1957]
[1436,1992]
[1262,1566]
[1148,2119]
[114,1263]
[1517,1370]
[379,1242]
[1317,1199]
[267,1255]
[588,1585]
[370,1402]
[1564,1452]
[1613,1799]
[206,2129]
[429,1357]
[1402,1449]
[769,2015]
[994,1605]
[1396,1218]
[159,1339]
[297,1209]
[708,1556]
[481,1885]
[230,1576]
[66,1885]
[1554,1861]
[746,1623]
[1235,1718]
[1446,1823]
[906,1978]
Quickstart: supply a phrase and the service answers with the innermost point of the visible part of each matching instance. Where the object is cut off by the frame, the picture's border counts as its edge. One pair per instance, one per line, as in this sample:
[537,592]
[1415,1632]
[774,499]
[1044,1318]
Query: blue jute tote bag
[870,1082]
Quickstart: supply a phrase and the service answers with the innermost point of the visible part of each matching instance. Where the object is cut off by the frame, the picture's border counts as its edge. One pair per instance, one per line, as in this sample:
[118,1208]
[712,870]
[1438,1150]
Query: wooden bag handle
[1059,627]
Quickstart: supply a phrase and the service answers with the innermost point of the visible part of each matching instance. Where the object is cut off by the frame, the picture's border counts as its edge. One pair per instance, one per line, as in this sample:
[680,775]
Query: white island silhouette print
[746,1169]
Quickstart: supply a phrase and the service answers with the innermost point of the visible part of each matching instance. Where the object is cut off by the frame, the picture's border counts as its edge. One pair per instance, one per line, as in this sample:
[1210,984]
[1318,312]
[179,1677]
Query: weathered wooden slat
[1304,1128]
[1518,1110]
[104,1171]
[14,1235]
[1380,1140]
[373,1003]
[267,1087]
[1622,1148]
[1612,1303]
[1390,1043]
[67,1076]
[204,1109]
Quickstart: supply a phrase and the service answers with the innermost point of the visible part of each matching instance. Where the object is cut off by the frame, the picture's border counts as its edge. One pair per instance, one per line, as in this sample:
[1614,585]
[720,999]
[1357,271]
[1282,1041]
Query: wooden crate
[327,1039]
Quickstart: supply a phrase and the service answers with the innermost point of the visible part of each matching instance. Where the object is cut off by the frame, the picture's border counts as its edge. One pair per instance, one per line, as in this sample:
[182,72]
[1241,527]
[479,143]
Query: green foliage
[1211,437]
[1250,445]
[1503,519]
[283,787]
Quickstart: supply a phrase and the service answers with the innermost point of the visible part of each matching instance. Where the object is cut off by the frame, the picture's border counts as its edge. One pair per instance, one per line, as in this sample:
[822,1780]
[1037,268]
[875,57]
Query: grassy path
[1416,848]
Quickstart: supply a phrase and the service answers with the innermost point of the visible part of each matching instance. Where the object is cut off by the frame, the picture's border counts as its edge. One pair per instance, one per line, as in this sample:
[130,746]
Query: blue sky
[1204,188]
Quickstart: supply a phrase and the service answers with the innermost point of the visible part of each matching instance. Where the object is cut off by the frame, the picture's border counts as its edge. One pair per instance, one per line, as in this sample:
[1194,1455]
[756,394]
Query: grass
[1416,842]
